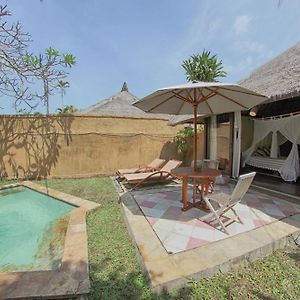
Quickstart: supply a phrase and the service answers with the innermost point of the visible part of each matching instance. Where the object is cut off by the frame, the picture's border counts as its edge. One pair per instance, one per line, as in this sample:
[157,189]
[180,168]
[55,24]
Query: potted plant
[182,141]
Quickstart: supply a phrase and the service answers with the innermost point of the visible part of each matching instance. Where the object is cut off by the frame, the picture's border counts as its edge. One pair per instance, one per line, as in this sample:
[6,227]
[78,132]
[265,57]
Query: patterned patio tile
[152,220]
[172,212]
[207,234]
[179,231]
[259,223]
[254,202]
[176,241]
[163,225]
[273,211]
[186,219]
[194,243]
[245,214]
[156,213]
[183,229]
[172,196]
[147,203]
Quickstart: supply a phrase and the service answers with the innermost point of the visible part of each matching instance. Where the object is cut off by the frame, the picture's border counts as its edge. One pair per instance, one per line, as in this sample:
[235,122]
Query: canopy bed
[279,130]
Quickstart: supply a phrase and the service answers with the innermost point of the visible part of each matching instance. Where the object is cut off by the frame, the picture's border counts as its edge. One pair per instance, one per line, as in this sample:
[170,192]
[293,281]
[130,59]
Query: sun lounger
[163,174]
[220,203]
[153,166]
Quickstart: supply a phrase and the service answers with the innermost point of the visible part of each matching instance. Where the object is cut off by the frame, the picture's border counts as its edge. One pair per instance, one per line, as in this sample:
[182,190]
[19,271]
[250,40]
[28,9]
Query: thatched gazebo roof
[279,78]
[120,105]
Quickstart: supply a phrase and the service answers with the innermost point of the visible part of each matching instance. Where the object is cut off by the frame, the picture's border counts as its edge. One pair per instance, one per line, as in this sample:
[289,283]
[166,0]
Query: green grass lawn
[116,274]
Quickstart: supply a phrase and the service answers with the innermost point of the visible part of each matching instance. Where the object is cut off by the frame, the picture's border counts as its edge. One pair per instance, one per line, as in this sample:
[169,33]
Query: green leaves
[203,67]
[69,60]
[52,52]
[31,60]
[63,84]
[67,109]
[181,138]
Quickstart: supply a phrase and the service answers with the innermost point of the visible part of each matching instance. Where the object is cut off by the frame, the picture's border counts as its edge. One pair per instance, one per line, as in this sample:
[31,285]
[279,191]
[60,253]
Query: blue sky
[145,42]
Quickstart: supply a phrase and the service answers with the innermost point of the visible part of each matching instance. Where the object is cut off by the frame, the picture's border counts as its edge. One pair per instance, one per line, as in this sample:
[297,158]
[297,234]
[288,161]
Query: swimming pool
[32,229]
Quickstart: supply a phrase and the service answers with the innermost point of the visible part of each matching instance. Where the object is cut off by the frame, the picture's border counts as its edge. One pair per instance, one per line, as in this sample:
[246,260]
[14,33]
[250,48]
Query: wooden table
[205,175]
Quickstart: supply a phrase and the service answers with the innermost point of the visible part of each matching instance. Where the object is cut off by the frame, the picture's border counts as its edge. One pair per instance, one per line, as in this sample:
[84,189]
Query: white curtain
[236,144]
[289,127]
[291,130]
[261,130]
[274,145]
[213,138]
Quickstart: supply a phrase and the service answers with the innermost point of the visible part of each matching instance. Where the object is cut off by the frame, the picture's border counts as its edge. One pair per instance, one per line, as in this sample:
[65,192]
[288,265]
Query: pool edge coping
[72,278]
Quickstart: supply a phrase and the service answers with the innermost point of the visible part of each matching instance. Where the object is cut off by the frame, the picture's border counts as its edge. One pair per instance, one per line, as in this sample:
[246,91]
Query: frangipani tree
[22,73]
[14,73]
[49,67]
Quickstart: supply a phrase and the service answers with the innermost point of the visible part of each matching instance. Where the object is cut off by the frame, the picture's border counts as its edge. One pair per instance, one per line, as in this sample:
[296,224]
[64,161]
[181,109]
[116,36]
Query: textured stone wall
[70,146]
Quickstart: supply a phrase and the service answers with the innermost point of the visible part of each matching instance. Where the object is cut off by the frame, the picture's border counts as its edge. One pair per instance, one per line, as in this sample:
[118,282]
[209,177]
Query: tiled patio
[174,246]
[180,231]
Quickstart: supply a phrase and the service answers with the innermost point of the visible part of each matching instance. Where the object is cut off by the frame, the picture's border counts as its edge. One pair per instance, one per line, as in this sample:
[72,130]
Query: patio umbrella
[195,98]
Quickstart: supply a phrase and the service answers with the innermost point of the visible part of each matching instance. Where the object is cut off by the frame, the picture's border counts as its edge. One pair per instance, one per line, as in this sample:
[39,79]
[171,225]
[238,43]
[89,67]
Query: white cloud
[240,66]
[241,24]
[248,46]
[214,26]
[196,34]
[246,63]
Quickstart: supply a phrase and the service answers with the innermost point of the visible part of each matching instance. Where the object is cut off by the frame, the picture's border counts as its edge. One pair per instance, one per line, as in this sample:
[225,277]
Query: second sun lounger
[163,174]
[151,167]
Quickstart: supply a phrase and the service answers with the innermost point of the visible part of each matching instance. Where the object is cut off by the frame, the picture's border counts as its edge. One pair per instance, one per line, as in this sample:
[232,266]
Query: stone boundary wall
[80,146]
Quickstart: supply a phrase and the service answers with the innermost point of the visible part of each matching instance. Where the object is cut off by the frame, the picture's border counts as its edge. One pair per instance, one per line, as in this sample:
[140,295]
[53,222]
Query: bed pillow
[260,152]
[267,151]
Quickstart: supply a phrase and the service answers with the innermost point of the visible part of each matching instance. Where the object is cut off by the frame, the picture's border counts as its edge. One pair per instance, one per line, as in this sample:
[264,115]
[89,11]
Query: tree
[67,109]
[21,72]
[181,139]
[50,68]
[63,85]
[14,73]
[203,67]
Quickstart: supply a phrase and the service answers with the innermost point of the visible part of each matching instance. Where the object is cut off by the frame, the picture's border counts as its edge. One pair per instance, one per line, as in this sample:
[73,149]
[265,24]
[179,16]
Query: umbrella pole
[195,135]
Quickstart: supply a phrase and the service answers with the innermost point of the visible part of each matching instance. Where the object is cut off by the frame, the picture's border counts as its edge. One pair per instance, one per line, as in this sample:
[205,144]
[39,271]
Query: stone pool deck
[166,270]
[72,278]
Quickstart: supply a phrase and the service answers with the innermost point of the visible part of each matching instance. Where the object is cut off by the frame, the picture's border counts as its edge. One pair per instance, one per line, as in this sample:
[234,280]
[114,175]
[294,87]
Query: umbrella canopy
[200,98]
[182,119]
[210,98]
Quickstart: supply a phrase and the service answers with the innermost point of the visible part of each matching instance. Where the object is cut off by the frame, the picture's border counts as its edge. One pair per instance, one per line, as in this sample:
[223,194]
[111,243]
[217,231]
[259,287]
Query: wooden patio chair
[151,167]
[164,174]
[211,164]
[220,203]
[207,164]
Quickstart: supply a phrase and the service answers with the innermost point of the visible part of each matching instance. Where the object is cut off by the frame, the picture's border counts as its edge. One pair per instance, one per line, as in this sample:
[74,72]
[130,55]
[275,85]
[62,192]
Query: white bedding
[266,162]
[289,128]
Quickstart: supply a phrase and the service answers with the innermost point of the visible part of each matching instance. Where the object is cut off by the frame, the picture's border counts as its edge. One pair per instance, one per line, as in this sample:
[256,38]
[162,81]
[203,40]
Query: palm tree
[203,67]
[63,85]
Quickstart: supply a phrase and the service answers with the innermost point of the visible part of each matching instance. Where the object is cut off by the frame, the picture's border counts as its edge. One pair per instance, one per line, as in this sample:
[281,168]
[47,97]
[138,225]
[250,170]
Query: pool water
[25,217]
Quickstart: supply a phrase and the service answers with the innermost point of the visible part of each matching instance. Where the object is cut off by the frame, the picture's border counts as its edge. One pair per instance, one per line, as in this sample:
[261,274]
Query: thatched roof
[279,78]
[120,105]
